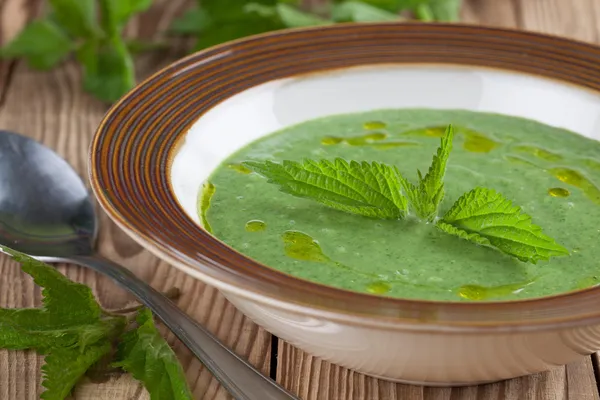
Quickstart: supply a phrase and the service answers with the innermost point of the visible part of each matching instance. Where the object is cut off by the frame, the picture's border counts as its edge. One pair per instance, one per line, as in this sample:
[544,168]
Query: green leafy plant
[375,190]
[77,336]
[92,31]
[217,21]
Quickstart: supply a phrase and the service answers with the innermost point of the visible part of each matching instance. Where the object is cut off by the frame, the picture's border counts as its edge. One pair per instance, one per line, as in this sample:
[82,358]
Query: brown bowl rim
[567,60]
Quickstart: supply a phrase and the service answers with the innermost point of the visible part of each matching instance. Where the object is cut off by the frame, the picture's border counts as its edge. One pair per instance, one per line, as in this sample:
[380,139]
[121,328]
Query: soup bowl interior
[156,147]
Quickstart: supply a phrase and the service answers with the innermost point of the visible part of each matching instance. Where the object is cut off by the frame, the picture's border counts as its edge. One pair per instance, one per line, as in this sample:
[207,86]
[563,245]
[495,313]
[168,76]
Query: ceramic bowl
[155,147]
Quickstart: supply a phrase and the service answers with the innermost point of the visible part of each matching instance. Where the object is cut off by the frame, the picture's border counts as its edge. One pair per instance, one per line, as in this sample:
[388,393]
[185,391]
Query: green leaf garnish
[75,333]
[145,354]
[486,217]
[368,189]
[481,216]
[426,197]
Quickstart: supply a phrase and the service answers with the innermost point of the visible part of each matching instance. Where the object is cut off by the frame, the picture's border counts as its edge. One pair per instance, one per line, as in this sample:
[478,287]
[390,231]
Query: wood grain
[313,379]
[50,107]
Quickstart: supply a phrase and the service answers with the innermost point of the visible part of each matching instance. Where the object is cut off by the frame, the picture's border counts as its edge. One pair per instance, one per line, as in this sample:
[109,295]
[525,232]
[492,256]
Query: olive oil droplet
[330,140]
[477,142]
[433,131]
[239,168]
[538,152]
[363,140]
[379,287]
[575,178]
[255,225]
[203,204]
[375,136]
[370,125]
[476,292]
[558,192]
[300,246]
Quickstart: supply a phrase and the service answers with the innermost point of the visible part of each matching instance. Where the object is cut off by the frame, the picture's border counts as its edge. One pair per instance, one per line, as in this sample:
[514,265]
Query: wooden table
[50,107]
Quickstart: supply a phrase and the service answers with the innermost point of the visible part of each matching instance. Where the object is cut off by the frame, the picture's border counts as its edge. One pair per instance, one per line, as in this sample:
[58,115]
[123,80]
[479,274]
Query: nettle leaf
[68,301]
[108,70]
[192,22]
[425,198]
[368,189]
[70,329]
[357,11]
[42,43]
[115,13]
[77,17]
[65,366]
[147,356]
[445,10]
[292,17]
[485,217]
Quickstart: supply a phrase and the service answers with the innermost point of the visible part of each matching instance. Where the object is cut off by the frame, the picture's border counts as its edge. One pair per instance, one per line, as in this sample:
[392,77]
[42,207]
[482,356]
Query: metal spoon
[46,212]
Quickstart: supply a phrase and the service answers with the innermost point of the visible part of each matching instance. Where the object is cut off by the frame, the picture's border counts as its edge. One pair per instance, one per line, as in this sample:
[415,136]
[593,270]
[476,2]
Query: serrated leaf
[486,217]
[368,189]
[42,43]
[64,367]
[39,329]
[147,356]
[115,13]
[71,328]
[69,302]
[77,17]
[425,198]
[357,11]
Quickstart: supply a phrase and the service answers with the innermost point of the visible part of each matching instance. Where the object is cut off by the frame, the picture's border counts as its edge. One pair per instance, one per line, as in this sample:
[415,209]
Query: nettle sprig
[78,338]
[482,216]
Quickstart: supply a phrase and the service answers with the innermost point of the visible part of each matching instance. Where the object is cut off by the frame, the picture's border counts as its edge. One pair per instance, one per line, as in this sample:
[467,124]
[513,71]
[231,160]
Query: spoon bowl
[45,209]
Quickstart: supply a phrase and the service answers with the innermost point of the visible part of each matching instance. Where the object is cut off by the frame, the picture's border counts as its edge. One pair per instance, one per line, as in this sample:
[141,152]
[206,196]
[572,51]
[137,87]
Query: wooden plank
[50,107]
[313,379]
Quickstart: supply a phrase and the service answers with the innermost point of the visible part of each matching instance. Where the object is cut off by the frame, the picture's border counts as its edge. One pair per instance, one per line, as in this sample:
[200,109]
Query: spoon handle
[242,380]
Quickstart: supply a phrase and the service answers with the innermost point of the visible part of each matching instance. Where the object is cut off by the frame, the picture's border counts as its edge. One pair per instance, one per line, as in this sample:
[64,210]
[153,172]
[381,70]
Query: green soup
[551,173]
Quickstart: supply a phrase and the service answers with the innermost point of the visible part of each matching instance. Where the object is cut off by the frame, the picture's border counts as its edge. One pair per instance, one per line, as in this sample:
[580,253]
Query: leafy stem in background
[217,21]
[77,337]
[376,190]
[90,29]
